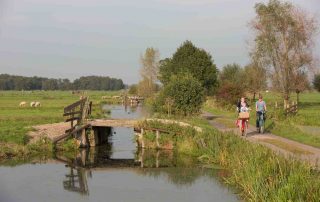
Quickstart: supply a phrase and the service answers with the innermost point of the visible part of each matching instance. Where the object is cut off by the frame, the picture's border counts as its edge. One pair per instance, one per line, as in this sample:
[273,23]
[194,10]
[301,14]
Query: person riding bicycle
[242,106]
[261,108]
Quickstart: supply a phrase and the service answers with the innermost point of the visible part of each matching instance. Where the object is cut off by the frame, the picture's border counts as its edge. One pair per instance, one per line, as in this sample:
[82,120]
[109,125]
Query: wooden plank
[63,136]
[70,129]
[71,113]
[72,119]
[70,107]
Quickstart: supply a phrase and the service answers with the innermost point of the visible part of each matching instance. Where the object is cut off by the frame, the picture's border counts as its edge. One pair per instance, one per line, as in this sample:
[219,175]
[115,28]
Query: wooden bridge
[95,132]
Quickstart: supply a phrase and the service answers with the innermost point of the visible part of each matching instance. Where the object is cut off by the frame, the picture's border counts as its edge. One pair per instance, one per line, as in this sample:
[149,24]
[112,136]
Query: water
[114,172]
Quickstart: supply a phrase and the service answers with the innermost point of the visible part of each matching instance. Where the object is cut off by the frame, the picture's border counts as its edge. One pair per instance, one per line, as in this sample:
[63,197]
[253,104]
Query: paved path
[278,144]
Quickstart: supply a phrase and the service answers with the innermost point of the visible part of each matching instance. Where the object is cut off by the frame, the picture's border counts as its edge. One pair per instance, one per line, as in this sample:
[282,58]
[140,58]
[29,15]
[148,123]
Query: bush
[229,93]
[183,95]
[316,82]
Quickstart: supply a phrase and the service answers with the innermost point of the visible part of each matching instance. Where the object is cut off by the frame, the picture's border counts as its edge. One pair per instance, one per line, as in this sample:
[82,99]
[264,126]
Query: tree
[133,89]
[284,37]
[316,82]
[231,84]
[232,73]
[183,95]
[191,60]
[255,78]
[301,83]
[149,72]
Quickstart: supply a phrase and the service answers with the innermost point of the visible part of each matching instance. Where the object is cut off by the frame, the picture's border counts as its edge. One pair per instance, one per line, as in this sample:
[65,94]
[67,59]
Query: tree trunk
[286,101]
[298,93]
[254,96]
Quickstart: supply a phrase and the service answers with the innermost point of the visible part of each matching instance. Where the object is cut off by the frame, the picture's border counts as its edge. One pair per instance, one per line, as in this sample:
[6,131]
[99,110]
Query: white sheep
[32,104]
[22,104]
[37,104]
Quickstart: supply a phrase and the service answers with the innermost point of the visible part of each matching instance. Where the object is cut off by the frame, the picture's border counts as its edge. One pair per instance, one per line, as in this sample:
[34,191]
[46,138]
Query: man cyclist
[261,108]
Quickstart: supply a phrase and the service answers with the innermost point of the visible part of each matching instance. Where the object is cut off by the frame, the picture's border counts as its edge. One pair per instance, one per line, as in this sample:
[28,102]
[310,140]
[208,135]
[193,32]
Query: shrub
[229,93]
[316,82]
[183,95]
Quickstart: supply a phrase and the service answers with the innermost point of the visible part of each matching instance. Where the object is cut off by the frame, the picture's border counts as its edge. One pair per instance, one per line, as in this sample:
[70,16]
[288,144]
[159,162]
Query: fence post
[142,141]
[157,138]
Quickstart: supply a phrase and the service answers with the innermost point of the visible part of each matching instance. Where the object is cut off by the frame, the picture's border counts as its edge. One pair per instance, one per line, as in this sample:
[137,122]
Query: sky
[73,38]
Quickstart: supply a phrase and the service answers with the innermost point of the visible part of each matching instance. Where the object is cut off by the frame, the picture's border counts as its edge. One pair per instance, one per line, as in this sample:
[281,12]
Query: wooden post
[142,155]
[276,104]
[142,141]
[157,159]
[83,138]
[157,138]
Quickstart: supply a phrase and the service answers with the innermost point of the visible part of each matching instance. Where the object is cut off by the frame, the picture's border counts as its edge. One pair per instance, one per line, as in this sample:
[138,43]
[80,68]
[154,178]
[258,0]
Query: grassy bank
[289,127]
[257,172]
[16,121]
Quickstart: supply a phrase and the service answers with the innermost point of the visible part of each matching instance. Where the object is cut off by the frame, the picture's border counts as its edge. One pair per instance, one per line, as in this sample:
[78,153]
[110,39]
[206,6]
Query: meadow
[303,127]
[16,121]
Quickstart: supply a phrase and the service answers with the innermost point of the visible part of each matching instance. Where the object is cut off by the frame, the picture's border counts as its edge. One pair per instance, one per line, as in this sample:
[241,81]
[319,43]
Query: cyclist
[261,108]
[242,106]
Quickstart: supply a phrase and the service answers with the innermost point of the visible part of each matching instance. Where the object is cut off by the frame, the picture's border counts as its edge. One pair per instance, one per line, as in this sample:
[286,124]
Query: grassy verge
[257,172]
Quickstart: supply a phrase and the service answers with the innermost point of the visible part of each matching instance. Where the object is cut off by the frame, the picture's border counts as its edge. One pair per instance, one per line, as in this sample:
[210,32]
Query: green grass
[277,123]
[258,173]
[16,121]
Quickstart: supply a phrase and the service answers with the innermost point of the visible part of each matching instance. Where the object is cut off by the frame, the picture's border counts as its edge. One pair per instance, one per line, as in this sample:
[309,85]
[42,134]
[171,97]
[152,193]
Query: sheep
[22,104]
[37,104]
[32,104]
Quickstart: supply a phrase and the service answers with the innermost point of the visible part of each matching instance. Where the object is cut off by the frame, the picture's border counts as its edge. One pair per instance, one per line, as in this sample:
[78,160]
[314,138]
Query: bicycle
[243,119]
[261,121]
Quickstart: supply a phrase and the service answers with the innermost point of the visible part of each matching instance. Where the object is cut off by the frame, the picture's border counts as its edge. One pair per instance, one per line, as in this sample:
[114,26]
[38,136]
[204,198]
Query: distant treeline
[12,82]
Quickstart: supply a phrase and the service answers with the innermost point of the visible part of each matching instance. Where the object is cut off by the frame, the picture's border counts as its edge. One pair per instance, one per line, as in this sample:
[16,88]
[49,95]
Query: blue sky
[72,38]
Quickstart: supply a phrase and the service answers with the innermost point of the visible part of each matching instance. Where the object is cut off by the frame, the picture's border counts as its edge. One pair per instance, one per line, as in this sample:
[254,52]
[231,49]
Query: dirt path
[278,144]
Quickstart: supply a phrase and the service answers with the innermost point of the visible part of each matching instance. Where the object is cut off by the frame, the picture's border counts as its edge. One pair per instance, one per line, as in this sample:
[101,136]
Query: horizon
[70,39]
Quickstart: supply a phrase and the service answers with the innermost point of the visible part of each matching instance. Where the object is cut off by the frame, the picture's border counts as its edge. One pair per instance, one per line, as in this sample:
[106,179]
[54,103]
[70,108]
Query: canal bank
[116,171]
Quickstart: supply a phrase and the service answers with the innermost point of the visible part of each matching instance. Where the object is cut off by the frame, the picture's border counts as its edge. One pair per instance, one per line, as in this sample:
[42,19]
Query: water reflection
[179,170]
[126,111]
[76,180]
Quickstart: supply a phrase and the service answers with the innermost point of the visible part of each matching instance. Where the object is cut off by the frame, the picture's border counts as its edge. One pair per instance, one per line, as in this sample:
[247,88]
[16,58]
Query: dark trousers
[259,116]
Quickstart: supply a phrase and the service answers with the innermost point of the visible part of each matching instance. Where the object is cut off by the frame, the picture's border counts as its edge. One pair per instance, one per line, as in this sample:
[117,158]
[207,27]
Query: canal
[116,171]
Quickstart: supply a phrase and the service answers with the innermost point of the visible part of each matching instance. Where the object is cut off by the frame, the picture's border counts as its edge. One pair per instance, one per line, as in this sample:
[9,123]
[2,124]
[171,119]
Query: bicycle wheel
[261,124]
[245,129]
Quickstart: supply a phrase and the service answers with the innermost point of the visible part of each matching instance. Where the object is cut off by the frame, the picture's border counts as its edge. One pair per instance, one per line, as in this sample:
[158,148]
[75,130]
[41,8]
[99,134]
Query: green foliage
[232,73]
[10,82]
[192,60]
[186,95]
[133,89]
[316,82]
[231,84]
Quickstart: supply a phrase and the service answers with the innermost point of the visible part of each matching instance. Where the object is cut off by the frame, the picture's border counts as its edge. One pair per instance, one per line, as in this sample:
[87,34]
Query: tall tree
[284,37]
[192,60]
[149,72]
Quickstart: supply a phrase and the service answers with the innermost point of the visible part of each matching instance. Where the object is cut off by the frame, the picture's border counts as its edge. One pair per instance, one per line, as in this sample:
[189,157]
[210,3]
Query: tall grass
[256,171]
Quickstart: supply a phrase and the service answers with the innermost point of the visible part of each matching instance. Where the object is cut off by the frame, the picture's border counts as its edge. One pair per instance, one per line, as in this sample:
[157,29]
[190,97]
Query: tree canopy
[284,36]
[149,72]
[12,82]
[192,60]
